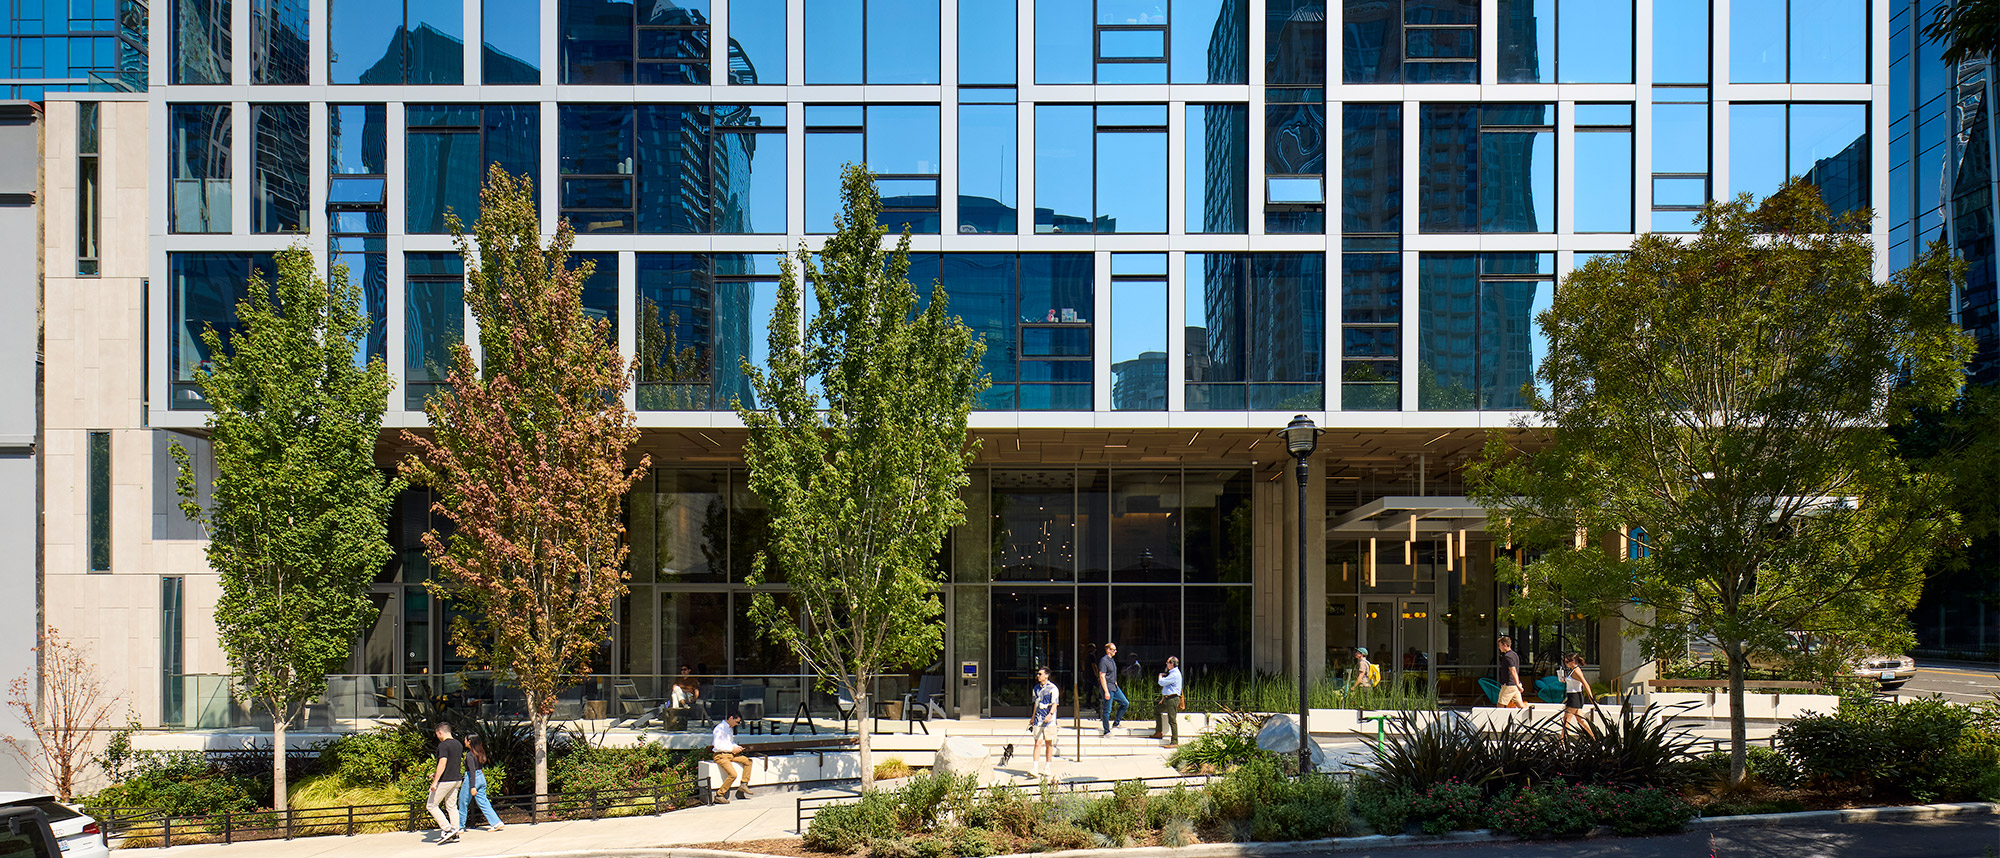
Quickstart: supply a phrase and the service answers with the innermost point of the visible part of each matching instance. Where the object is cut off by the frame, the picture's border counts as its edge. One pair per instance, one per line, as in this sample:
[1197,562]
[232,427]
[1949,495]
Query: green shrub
[1647,811]
[974,843]
[1922,750]
[179,783]
[1222,747]
[1121,814]
[1766,765]
[1058,836]
[1449,806]
[892,768]
[1010,810]
[843,828]
[1385,808]
[896,846]
[1305,808]
[1236,795]
[376,758]
[1550,810]
[1179,803]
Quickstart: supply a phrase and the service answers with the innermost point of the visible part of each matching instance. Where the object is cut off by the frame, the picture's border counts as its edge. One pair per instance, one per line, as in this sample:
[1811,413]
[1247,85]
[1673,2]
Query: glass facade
[100,501]
[1121,196]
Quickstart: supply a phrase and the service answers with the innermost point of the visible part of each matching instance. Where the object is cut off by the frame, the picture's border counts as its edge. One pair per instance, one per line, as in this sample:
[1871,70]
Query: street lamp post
[1301,436]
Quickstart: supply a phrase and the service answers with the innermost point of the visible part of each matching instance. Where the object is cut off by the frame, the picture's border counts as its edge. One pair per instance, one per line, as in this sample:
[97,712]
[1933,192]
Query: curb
[1909,813]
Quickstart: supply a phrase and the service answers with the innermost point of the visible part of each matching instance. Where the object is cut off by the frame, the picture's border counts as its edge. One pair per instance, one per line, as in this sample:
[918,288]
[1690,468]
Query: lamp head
[1301,436]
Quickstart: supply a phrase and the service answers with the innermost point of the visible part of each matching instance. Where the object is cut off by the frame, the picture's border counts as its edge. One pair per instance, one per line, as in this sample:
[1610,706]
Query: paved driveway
[1977,837]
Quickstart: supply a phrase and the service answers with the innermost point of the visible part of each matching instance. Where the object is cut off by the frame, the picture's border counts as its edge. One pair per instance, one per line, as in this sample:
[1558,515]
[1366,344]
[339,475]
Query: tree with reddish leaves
[63,715]
[527,455]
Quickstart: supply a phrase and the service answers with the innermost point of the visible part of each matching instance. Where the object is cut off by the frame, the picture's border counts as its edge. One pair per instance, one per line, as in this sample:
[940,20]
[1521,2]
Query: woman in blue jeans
[474,785]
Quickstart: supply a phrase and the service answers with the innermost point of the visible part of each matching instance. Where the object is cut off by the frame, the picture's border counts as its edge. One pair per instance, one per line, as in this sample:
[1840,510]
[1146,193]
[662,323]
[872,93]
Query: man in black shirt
[1107,681]
[1510,674]
[444,784]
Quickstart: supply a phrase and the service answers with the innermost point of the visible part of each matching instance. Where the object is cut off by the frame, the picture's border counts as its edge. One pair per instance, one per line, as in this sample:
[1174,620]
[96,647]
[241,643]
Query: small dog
[1007,754]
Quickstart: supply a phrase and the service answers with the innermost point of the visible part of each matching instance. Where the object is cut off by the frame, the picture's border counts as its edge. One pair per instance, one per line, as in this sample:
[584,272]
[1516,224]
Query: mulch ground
[792,847]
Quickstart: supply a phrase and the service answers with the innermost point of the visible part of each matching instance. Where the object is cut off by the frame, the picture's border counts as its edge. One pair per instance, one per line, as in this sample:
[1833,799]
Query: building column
[1274,557]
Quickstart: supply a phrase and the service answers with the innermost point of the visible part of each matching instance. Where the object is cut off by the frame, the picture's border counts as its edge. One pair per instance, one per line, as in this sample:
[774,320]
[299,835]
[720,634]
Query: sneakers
[498,826]
[449,837]
[742,792]
[721,797]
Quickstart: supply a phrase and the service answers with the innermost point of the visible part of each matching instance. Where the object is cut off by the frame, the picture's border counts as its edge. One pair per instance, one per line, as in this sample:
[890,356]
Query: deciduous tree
[527,455]
[1968,29]
[298,517]
[63,713]
[1730,394]
[860,451]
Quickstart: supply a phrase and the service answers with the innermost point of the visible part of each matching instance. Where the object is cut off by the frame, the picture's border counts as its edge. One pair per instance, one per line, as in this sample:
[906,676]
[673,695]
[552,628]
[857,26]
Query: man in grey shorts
[1042,724]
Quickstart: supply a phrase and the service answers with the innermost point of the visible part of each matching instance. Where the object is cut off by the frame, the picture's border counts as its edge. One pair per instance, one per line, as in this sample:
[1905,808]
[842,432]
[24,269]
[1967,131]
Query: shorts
[1044,732]
[1510,694]
[1575,700]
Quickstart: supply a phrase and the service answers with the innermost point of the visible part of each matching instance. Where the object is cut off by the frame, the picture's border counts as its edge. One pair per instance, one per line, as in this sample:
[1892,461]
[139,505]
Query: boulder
[960,757]
[1280,735]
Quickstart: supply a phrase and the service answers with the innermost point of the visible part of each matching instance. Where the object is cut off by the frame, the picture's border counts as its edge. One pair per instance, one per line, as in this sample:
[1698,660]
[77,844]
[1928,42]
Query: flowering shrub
[1647,810]
[1551,810]
[1450,806]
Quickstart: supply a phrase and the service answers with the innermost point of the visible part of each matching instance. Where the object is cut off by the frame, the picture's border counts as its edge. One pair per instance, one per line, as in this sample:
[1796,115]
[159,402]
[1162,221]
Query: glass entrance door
[1032,627]
[1398,633]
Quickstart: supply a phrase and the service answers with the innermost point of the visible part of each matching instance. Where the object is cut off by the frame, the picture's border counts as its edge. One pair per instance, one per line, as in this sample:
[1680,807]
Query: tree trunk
[279,800]
[1739,742]
[861,724]
[539,722]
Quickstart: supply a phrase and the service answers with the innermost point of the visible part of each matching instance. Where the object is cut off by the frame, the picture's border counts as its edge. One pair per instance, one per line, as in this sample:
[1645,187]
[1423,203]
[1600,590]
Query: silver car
[77,834]
[1889,670]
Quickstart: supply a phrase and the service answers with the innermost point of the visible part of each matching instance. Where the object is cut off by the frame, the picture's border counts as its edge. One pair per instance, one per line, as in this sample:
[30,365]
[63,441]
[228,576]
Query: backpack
[1374,674]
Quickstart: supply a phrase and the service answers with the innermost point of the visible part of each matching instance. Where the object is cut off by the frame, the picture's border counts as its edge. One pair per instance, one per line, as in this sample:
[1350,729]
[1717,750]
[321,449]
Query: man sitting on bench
[730,760]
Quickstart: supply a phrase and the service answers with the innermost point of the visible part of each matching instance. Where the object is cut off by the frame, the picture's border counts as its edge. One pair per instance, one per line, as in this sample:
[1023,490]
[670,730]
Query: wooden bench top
[1724,683]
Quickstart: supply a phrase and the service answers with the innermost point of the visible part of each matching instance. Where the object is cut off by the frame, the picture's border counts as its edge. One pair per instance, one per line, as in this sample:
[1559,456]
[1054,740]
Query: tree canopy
[527,456]
[297,519]
[860,452]
[1724,403]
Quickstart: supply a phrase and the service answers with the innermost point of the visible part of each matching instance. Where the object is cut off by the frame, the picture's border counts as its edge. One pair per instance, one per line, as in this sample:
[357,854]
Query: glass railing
[592,703]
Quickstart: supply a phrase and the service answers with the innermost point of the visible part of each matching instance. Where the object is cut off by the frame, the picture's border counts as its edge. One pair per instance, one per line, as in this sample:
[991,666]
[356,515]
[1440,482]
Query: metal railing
[133,827]
[810,806]
[356,701]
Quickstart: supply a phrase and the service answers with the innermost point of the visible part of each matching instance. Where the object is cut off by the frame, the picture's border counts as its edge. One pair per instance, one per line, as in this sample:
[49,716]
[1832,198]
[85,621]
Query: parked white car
[77,834]
[1889,670]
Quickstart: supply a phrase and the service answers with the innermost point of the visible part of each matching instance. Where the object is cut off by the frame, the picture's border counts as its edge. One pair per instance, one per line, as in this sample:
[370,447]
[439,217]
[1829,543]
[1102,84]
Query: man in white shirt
[730,760]
[1169,709]
[1042,724]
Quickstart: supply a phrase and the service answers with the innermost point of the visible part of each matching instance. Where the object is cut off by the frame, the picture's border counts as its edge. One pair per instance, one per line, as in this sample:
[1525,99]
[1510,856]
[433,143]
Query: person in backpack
[1366,673]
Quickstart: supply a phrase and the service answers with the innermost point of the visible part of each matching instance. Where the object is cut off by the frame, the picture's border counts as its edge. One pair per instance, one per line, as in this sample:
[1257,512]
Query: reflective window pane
[203,291]
[1829,41]
[596,45]
[357,138]
[1757,32]
[826,154]
[1063,168]
[434,322]
[1829,146]
[1131,181]
[1063,41]
[1680,43]
[1756,163]
[1139,345]
[757,42]
[278,181]
[1680,138]
[1594,41]
[1294,43]
[676,331]
[1210,41]
[1371,191]
[198,168]
[1527,41]
[436,41]
[1256,327]
[1371,42]
[986,49]
[1517,181]
[1218,138]
[1604,166]
[1371,314]
[833,41]
[277,42]
[510,35]
[364,41]
[988,169]
[903,41]
[200,42]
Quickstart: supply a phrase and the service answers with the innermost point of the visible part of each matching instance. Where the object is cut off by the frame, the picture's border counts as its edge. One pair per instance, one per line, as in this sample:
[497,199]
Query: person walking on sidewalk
[444,784]
[1510,674]
[1576,693]
[1169,709]
[473,787]
[1366,674]
[730,760]
[1107,681]
[1042,725]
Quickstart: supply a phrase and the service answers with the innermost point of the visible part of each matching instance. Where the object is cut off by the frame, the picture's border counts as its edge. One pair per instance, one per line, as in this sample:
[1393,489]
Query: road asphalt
[1974,837]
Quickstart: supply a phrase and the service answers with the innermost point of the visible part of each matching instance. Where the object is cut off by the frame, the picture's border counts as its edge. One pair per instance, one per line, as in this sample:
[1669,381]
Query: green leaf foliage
[1968,29]
[1731,395]
[860,452]
[527,455]
[298,516]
